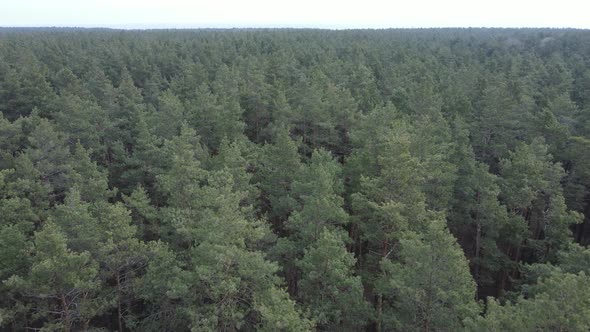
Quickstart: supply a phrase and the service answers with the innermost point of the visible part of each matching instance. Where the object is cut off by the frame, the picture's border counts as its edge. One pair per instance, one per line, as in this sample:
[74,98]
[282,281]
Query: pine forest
[294,180]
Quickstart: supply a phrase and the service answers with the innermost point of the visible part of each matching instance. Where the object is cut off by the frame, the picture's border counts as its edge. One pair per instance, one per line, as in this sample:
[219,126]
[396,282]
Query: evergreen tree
[329,287]
[276,171]
[561,306]
[62,284]
[218,237]
[430,286]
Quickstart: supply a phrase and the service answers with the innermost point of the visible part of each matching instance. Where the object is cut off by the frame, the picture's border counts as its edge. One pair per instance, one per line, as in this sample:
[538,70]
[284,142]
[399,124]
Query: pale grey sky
[296,13]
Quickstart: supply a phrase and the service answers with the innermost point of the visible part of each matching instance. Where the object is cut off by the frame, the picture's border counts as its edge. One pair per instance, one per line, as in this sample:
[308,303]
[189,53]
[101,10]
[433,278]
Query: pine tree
[430,285]
[328,285]
[62,284]
[106,232]
[276,171]
[560,305]
[531,191]
[318,188]
[481,223]
[218,237]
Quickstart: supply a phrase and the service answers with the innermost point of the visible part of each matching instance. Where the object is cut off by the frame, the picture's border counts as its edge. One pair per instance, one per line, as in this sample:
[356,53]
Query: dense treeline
[295,180]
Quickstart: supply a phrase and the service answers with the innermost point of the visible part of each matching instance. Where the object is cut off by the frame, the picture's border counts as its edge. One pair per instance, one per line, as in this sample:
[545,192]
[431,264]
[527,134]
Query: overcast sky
[335,14]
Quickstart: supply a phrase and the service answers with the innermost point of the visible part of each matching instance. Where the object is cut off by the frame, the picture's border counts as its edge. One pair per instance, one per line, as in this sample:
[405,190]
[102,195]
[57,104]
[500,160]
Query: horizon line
[224,26]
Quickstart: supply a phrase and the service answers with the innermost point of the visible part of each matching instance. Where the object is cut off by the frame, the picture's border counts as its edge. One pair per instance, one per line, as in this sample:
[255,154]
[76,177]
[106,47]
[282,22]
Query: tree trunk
[119,311]
[86,323]
[477,244]
[426,322]
[66,311]
[477,251]
[379,312]
[384,247]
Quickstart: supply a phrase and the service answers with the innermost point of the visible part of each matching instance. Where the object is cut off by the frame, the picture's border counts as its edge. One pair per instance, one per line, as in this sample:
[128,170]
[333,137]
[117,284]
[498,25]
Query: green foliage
[483,223]
[328,286]
[430,286]
[15,250]
[276,170]
[278,313]
[294,180]
[531,189]
[561,305]
[63,279]
[318,187]
[163,286]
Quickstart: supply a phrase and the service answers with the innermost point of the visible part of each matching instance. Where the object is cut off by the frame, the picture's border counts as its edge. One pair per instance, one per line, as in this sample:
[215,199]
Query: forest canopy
[294,180]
